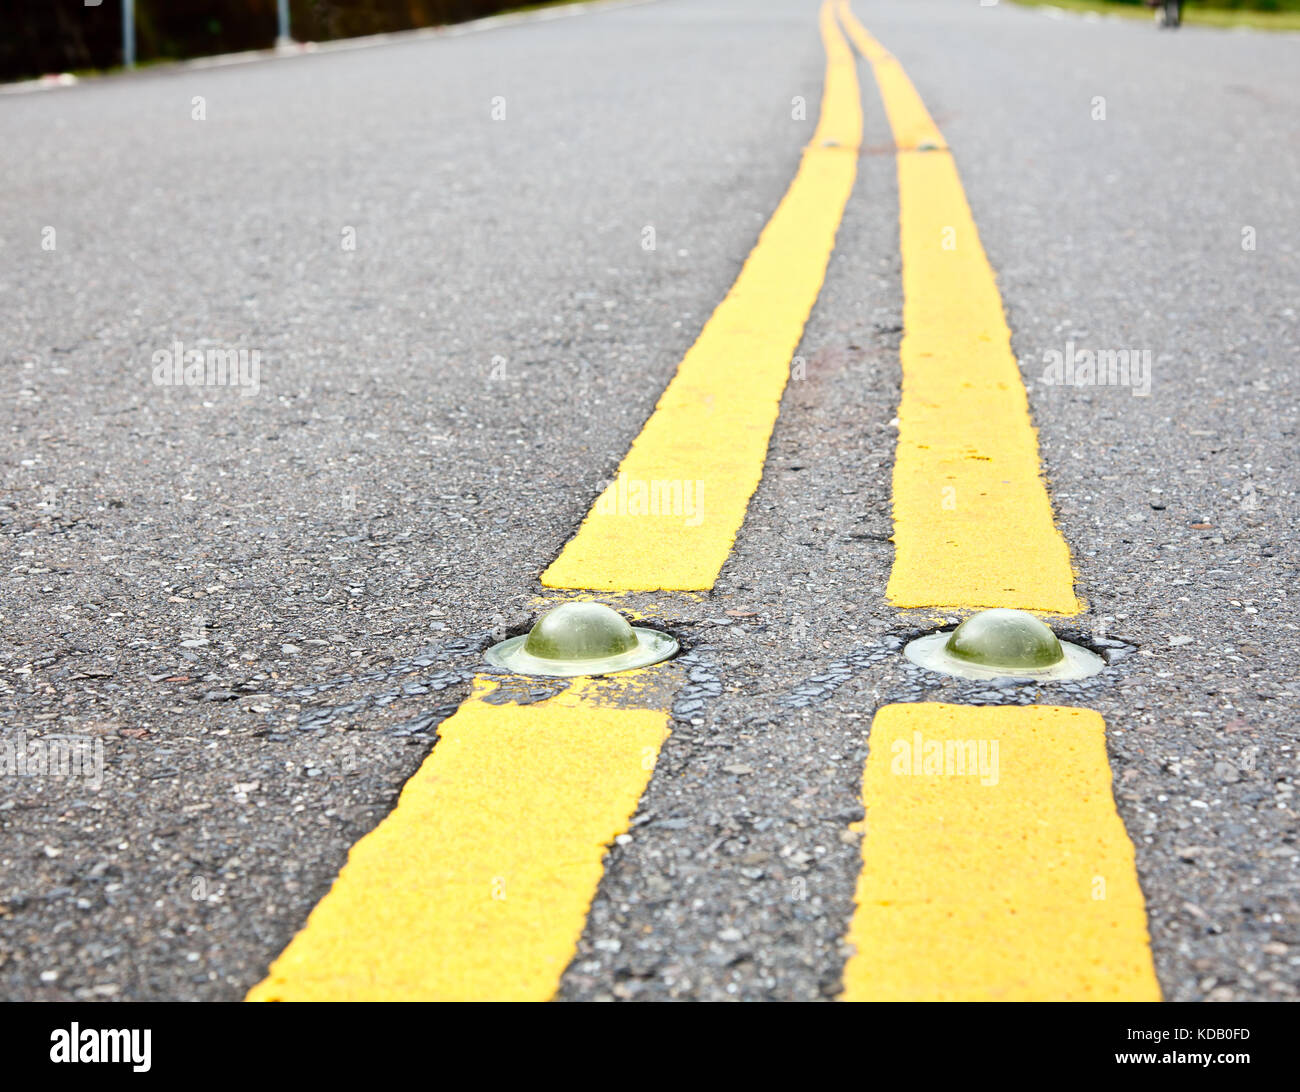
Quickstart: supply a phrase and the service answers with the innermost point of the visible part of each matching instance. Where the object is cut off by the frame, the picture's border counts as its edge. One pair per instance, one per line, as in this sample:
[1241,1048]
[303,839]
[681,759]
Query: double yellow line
[478,884]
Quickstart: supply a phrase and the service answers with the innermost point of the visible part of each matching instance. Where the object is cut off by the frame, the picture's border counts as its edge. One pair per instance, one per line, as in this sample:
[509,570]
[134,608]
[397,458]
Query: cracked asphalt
[262,606]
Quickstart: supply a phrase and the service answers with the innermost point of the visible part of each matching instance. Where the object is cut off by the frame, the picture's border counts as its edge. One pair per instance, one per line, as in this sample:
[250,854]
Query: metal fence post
[128,33]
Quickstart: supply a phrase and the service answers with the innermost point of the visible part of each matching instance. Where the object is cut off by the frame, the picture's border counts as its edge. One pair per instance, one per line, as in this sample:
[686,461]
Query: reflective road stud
[581,639]
[1003,643]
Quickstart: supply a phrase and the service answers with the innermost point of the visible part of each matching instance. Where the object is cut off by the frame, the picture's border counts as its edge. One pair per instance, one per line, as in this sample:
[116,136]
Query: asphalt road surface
[263,603]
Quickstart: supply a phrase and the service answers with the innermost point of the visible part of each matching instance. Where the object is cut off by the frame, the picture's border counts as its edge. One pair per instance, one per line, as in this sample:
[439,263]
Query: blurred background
[43,36]
[39,37]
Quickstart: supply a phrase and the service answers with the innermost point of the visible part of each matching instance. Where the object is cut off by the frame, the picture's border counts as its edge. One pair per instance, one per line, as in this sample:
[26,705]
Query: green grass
[1192,13]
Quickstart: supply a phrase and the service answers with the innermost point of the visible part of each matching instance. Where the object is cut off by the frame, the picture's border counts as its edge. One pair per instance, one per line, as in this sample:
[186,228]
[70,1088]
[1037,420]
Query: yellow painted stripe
[704,446]
[1013,887]
[973,525]
[477,885]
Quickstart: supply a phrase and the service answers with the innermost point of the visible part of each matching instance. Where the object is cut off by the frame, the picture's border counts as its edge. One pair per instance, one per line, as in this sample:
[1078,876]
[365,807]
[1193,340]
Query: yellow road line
[973,525]
[700,456]
[477,885]
[1013,884]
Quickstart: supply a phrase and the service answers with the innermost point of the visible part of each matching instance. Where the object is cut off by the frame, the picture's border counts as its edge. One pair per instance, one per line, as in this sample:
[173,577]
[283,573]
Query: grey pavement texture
[262,605]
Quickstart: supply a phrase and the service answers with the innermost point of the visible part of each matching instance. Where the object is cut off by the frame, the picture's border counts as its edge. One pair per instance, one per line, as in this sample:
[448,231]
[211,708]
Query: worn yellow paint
[1020,889]
[700,456]
[648,609]
[477,885]
[973,525]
